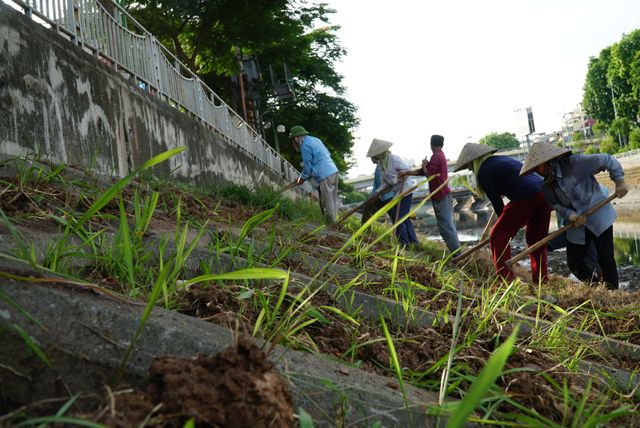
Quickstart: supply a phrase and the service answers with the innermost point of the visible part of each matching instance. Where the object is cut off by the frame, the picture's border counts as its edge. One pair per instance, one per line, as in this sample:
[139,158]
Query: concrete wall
[60,102]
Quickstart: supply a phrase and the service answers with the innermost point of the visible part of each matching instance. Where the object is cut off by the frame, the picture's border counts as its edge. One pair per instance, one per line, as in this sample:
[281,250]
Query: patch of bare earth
[236,388]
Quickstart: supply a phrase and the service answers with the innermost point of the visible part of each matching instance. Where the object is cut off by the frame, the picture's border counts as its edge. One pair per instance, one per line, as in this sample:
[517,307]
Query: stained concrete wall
[60,102]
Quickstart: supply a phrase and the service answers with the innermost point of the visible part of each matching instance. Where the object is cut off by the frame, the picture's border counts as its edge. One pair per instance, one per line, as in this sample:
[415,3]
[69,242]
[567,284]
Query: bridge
[364,182]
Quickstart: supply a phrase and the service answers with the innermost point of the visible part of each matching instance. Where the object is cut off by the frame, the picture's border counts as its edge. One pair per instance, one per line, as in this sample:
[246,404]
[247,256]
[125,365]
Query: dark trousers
[404,231]
[604,248]
[590,257]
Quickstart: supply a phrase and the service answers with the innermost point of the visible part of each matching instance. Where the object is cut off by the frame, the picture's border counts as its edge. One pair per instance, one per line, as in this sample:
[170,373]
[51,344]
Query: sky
[461,68]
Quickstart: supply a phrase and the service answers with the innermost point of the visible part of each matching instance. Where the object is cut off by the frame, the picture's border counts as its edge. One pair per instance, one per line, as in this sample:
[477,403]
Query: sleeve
[434,166]
[492,193]
[425,167]
[307,159]
[616,173]
[376,180]
[553,201]
[593,164]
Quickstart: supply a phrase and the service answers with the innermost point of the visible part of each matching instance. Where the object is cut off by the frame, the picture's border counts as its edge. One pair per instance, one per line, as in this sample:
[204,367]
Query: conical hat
[540,153]
[471,152]
[378,147]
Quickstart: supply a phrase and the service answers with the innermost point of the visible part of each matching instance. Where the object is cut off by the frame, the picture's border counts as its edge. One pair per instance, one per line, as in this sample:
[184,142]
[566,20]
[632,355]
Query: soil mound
[235,388]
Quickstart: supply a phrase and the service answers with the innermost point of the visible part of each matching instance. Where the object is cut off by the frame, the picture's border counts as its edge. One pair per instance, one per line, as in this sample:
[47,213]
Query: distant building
[576,121]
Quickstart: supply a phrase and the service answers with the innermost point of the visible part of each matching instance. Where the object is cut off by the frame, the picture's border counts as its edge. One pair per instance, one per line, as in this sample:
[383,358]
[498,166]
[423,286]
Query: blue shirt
[500,176]
[574,178]
[316,159]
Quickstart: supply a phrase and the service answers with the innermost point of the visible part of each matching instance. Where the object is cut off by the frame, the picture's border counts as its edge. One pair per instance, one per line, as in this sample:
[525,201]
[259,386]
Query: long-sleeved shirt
[575,189]
[390,177]
[437,166]
[317,162]
[500,176]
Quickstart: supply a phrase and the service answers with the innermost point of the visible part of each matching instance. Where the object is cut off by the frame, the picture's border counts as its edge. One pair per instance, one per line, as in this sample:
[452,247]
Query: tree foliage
[609,145]
[502,141]
[620,128]
[210,37]
[596,100]
[634,139]
[612,84]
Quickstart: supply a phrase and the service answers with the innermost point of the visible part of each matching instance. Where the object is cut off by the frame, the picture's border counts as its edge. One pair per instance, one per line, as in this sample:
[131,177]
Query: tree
[623,55]
[612,85]
[502,141]
[620,128]
[210,37]
[577,136]
[596,99]
[609,145]
[634,139]
[599,129]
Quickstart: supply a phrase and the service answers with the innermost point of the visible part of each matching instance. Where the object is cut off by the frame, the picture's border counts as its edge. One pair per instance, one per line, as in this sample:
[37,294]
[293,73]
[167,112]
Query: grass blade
[483,383]
[111,192]
[32,345]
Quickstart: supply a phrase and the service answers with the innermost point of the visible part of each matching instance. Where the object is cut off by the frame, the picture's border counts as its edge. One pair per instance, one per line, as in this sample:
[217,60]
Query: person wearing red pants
[498,176]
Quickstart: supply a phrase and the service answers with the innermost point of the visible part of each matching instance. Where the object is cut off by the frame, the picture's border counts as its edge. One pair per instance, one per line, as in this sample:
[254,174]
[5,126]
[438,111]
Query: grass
[109,234]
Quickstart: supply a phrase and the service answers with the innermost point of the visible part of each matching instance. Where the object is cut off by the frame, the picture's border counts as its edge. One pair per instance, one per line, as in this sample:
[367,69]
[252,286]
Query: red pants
[534,213]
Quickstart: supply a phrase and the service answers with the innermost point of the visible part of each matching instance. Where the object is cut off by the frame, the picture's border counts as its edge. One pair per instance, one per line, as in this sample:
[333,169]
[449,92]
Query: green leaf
[59,420]
[306,421]
[249,273]
[112,191]
[125,241]
[9,300]
[254,222]
[483,383]
[32,345]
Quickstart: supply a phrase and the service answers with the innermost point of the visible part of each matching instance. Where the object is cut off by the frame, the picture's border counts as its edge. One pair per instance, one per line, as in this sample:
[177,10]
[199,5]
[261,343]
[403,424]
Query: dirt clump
[423,275]
[235,388]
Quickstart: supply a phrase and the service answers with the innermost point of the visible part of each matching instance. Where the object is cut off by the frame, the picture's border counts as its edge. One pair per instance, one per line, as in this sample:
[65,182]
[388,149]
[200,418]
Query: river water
[470,226]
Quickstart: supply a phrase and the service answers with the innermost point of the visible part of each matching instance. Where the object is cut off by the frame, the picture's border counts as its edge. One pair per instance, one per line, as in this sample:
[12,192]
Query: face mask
[550,171]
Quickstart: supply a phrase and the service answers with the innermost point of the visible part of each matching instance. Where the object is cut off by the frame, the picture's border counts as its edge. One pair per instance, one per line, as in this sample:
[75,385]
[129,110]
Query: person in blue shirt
[498,176]
[388,166]
[571,188]
[319,169]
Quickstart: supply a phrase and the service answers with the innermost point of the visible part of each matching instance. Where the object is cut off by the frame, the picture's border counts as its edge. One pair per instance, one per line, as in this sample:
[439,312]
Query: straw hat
[471,152]
[540,153]
[378,147]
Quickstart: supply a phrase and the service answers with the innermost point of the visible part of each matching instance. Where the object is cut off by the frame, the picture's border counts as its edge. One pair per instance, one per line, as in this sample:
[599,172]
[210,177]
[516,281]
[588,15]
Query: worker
[570,187]
[498,176]
[388,166]
[441,201]
[319,168]
[590,259]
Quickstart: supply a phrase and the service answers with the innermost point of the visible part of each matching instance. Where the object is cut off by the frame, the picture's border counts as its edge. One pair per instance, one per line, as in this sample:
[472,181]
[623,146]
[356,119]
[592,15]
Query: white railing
[628,153]
[111,34]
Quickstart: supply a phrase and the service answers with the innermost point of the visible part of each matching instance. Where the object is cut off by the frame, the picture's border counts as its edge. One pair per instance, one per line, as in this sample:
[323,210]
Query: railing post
[71,21]
[28,11]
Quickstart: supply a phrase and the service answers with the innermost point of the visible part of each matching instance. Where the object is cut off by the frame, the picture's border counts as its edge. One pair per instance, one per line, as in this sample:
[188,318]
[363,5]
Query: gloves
[299,181]
[577,220]
[621,189]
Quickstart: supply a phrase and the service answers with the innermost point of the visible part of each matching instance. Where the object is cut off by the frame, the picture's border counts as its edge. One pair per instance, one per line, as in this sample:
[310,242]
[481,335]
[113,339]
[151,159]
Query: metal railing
[111,34]
[628,153]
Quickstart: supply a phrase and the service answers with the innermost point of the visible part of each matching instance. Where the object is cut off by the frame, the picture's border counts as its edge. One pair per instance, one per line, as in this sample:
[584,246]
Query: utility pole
[615,111]
[241,81]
